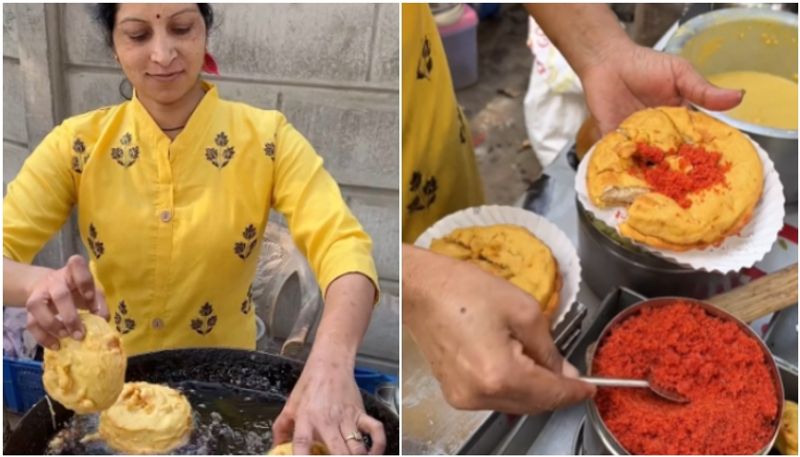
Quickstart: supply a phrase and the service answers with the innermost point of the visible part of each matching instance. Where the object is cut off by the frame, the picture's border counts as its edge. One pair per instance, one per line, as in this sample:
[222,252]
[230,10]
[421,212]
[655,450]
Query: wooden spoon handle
[763,296]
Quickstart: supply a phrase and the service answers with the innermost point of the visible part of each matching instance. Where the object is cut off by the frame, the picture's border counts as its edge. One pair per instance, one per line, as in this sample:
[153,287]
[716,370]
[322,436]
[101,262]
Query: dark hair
[106,15]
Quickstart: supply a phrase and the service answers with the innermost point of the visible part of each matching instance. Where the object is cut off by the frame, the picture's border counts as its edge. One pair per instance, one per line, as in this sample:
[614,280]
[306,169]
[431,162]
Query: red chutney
[722,370]
[698,170]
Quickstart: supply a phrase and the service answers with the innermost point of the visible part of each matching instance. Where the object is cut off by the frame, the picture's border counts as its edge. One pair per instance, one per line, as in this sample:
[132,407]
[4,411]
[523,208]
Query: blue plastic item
[369,380]
[22,384]
[486,10]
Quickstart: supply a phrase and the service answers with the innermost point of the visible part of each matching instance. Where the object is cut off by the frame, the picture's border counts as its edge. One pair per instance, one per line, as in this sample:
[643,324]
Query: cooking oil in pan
[228,420]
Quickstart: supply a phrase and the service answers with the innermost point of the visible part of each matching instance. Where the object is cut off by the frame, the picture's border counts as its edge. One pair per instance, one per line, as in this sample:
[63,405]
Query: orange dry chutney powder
[697,170]
[721,369]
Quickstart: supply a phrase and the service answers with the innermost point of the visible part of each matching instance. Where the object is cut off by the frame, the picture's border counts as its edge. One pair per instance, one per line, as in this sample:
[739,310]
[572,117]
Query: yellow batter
[656,219]
[86,376]
[510,252]
[769,100]
[286,449]
[147,419]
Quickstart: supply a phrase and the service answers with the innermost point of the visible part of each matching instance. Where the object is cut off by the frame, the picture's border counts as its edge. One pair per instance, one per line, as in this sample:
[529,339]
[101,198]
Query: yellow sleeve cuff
[350,258]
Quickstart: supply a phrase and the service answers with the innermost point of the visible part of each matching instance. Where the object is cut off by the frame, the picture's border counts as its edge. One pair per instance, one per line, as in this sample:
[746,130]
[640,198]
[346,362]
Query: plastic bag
[554,105]
[18,343]
[285,292]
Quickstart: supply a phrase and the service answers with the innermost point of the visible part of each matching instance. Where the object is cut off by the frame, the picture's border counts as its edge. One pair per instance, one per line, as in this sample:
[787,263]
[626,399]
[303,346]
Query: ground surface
[494,106]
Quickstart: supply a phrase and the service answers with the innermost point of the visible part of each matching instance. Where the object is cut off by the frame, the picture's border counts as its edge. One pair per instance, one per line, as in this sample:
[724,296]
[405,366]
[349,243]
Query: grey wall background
[332,69]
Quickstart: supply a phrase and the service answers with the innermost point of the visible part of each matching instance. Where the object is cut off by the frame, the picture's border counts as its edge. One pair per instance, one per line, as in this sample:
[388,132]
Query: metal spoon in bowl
[640,383]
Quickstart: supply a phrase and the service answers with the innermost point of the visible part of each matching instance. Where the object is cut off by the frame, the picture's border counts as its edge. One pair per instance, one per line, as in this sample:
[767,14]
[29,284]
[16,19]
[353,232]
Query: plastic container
[460,42]
[22,384]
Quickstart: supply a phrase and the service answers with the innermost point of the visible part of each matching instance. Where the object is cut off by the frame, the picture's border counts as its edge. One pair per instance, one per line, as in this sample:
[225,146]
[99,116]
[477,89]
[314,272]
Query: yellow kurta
[174,228]
[440,175]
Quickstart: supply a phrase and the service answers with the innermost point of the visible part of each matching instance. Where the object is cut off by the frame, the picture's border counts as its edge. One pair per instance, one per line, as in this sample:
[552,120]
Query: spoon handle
[615,382]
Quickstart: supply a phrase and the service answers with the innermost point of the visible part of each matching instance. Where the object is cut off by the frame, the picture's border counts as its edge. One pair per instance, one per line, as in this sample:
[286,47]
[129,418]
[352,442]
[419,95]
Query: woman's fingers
[45,339]
[352,436]
[554,391]
[79,277]
[328,430]
[375,430]
[100,307]
[282,428]
[697,89]
[64,299]
[42,316]
[513,382]
[532,328]
[533,388]
[53,305]
[303,438]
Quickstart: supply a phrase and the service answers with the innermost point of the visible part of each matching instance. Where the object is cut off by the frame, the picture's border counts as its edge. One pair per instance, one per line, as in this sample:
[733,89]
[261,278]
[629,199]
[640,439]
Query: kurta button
[166,216]
[158,324]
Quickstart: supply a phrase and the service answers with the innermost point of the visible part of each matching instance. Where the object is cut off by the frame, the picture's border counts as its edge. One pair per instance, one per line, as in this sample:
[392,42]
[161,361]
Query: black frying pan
[246,369]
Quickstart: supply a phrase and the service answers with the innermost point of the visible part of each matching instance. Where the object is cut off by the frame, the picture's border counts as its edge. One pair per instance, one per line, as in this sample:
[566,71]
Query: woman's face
[161,48]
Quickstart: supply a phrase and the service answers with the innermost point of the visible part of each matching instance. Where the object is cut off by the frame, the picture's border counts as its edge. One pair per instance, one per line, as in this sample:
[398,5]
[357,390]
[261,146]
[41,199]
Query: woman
[506,359]
[173,190]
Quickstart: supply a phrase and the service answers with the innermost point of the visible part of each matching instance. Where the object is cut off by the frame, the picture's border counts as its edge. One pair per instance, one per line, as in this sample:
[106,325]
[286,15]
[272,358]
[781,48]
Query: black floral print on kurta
[205,323]
[123,322]
[243,249]
[425,63]
[462,128]
[96,246]
[423,191]
[79,156]
[222,154]
[269,150]
[247,304]
[126,153]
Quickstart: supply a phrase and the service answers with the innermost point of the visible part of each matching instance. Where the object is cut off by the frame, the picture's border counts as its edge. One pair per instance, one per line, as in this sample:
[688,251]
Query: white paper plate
[752,243]
[564,252]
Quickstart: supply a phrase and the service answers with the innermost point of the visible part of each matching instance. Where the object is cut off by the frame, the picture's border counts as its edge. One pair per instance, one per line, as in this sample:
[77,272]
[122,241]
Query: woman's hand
[326,406]
[485,339]
[630,77]
[56,297]
[620,77]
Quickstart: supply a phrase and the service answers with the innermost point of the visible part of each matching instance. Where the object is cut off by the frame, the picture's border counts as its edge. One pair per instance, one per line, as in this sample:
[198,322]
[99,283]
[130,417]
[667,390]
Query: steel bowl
[731,39]
[609,262]
[599,440]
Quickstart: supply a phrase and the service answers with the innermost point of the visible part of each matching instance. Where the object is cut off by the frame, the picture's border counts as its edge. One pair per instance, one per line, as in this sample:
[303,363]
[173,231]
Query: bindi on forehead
[152,16]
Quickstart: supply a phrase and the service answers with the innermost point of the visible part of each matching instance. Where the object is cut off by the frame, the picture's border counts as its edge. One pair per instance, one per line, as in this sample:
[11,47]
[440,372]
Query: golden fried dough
[147,419]
[787,437]
[705,214]
[510,252]
[86,376]
[286,449]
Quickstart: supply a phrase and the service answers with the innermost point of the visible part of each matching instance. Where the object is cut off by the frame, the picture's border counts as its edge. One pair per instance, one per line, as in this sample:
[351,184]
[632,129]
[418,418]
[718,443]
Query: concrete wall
[332,69]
